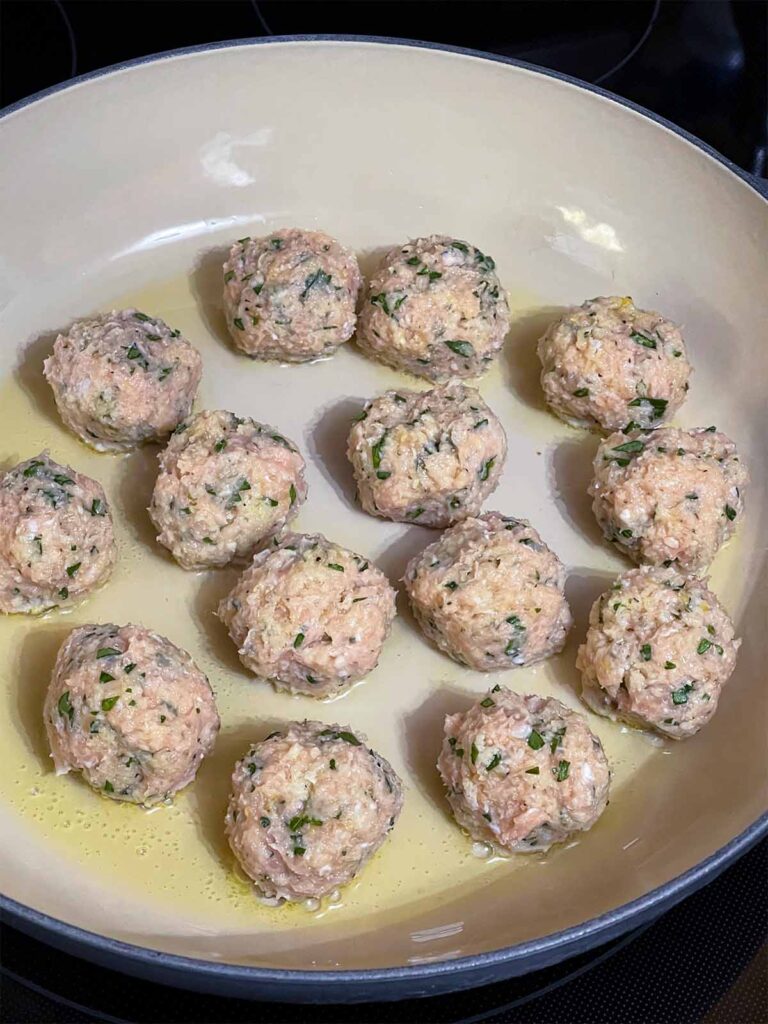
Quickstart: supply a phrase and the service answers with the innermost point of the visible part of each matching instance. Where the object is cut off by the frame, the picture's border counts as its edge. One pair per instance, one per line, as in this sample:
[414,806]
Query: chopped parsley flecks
[535,740]
[642,339]
[680,696]
[64,705]
[461,348]
[561,771]
[645,652]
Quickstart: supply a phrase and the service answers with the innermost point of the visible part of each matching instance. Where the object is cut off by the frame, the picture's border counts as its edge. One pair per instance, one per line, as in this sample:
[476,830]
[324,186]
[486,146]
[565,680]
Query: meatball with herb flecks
[436,309]
[607,364]
[669,496]
[226,484]
[658,652]
[429,457]
[130,711]
[122,379]
[310,805]
[290,295]
[57,542]
[489,593]
[521,772]
[309,616]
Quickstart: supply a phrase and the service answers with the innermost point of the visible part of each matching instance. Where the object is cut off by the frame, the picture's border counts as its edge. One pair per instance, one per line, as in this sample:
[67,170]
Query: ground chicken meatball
[291,295]
[309,616]
[427,457]
[670,495]
[122,379]
[606,364]
[131,711]
[523,773]
[436,309]
[658,651]
[226,483]
[310,805]
[56,538]
[489,593]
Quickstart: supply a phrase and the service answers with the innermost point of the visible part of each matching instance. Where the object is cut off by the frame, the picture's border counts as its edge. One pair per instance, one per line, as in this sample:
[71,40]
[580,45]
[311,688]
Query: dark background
[701,64]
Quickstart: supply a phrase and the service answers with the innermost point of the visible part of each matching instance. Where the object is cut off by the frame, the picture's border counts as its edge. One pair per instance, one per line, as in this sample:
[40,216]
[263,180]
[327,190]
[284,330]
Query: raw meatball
[436,309]
[429,457]
[309,616]
[226,483]
[489,593]
[131,711]
[659,650]
[56,538]
[523,772]
[122,379]
[606,364]
[669,496]
[290,295]
[310,805]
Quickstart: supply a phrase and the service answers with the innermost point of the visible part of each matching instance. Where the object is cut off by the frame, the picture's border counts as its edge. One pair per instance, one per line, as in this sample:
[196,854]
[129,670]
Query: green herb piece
[415,513]
[72,569]
[451,585]
[108,787]
[487,467]
[658,405]
[228,276]
[681,696]
[641,339]
[129,668]
[164,372]
[579,393]
[532,771]
[461,348]
[535,740]
[496,759]
[276,243]
[292,494]
[730,513]
[264,821]
[64,593]
[318,279]
[630,447]
[488,702]
[62,481]
[645,652]
[133,352]
[348,737]
[238,323]
[105,677]
[109,702]
[360,417]
[383,474]
[562,770]
[704,646]
[298,851]
[413,261]
[298,640]
[480,423]
[557,738]
[376,452]
[65,707]
[142,317]
[336,567]
[97,507]
[473,753]
[32,468]
[220,445]
[669,665]
[107,652]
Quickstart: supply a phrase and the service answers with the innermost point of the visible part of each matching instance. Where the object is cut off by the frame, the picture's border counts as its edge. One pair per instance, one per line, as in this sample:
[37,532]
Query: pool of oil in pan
[177,855]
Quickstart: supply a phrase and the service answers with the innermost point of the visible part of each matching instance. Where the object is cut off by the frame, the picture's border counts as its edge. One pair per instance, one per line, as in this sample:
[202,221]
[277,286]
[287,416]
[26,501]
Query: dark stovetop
[703,66]
[704,961]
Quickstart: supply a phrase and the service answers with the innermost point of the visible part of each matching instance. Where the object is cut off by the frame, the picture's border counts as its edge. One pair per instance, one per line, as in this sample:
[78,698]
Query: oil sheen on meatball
[436,309]
[489,593]
[291,295]
[427,457]
[56,538]
[523,773]
[658,652]
[606,364]
[130,711]
[226,483]
[123,379]
[309,616]
[310,805]
[670,496]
